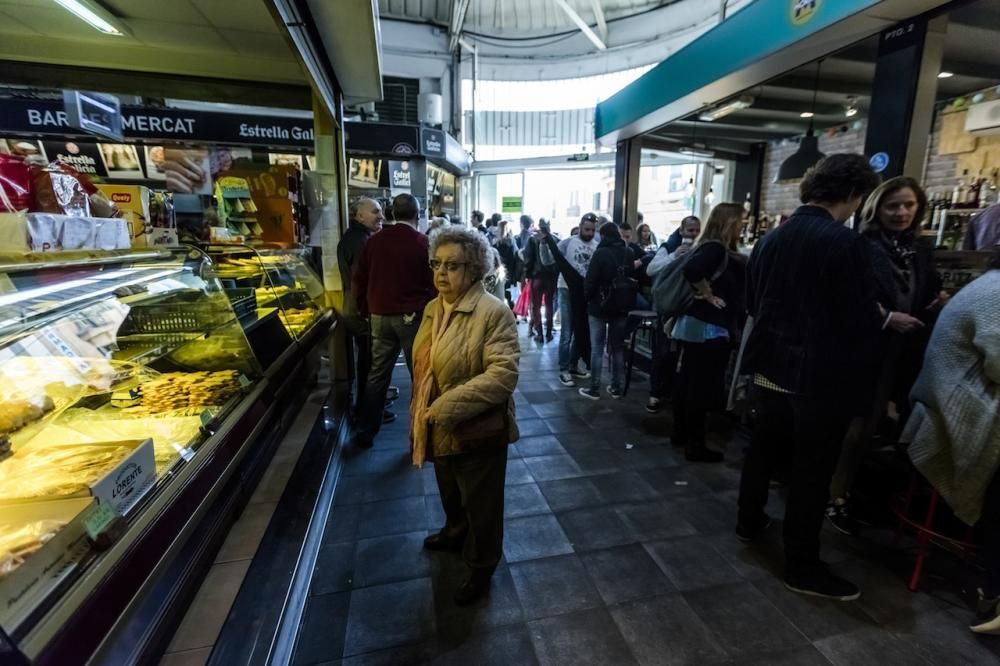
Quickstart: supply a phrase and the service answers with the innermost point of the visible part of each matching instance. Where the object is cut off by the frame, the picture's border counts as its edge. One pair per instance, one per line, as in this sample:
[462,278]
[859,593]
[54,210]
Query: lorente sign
[44,117]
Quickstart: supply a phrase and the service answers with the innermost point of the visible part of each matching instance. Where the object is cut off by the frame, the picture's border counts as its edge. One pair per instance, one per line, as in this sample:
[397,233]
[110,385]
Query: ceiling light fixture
[852,107]
[945,75]
[808,154]
[806,114]
[731,106]
[92,14]
[695,152]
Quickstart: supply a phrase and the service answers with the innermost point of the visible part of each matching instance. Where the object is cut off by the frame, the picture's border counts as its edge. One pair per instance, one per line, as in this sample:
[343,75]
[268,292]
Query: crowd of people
[828,325]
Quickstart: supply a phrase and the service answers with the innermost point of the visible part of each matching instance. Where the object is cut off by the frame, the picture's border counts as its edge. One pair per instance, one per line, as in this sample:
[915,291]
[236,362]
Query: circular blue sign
[879,162]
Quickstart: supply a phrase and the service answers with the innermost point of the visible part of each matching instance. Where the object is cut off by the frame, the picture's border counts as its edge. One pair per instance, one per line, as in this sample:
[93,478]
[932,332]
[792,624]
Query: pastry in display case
[281,279]
[114,366]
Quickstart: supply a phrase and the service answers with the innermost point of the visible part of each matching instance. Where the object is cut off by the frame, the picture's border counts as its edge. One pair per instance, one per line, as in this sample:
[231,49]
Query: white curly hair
[477,250]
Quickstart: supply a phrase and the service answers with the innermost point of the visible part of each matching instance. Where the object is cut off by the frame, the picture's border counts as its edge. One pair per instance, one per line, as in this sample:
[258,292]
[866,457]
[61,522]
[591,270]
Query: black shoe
[389,403]
[387,417]
[472,588]
[441,543]
[840,517]
[549,337]
[819,581]
[987,615]
[590,393]
[615,393]
[539,339]
[702,454]
[653,405]
[580,374]
[748,533]
[361,442]
[392,393]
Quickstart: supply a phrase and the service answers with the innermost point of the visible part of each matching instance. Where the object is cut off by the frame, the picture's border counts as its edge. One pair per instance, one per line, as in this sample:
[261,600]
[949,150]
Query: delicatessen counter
[142,393]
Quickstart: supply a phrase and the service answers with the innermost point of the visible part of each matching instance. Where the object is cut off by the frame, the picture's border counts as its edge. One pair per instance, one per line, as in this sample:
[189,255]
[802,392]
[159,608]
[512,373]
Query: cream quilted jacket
[475,364]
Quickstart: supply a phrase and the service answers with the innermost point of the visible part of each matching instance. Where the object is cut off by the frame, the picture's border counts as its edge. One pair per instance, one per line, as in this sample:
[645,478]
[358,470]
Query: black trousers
[809,431]
[471,487]
[989,525]
[699,387]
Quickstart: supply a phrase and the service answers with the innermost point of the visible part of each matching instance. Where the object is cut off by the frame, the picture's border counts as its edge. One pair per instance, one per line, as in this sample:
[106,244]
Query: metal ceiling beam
[672,144]
[581,24]
[602,24]
[459,8]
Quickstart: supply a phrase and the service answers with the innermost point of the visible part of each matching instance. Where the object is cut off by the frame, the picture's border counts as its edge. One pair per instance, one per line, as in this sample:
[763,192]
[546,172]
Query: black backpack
[619,297]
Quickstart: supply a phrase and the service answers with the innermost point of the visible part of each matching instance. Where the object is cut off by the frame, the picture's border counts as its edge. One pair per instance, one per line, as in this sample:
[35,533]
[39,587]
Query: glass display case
[133,385]
[281,280]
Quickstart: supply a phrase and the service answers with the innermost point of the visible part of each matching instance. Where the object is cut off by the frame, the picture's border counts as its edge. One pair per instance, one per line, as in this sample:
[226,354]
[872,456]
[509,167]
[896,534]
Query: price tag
[244,381]
[206,418]
[101,515]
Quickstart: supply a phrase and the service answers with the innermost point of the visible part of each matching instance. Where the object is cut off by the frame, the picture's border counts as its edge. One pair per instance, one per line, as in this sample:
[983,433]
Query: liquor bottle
[972,196]
[932,209]
[988,192]
[747,204]
[958,194]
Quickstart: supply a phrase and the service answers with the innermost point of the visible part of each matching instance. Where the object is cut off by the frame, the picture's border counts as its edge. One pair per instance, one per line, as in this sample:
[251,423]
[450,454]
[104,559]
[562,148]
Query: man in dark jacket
[365,218]
[541,268]
[607,307]
[810,290]
[393,282]
[689,230]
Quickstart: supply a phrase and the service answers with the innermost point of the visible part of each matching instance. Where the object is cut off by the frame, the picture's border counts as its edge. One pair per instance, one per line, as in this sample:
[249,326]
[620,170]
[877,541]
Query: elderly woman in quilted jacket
[462,412]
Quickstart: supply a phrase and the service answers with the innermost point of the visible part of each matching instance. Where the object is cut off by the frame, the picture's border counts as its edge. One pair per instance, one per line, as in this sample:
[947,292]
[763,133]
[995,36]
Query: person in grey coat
[954,430]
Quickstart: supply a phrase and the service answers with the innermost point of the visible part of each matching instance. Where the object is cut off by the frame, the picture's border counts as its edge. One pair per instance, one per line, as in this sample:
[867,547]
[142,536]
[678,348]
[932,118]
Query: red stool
[927,533]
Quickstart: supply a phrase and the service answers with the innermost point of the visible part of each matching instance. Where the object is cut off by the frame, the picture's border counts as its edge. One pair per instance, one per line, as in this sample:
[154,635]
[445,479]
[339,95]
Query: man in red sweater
[392,283]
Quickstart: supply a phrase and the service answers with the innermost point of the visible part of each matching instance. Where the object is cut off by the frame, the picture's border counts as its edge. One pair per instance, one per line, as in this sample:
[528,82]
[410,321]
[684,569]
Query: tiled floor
[617,551]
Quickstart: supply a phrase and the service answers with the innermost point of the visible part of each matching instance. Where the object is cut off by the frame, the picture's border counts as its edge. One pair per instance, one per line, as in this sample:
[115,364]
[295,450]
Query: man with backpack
[541,268]
[610,289]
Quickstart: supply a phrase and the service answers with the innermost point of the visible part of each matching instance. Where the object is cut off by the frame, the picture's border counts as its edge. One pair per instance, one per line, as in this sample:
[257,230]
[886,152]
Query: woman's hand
[904,323]
[942,300]
[716,301]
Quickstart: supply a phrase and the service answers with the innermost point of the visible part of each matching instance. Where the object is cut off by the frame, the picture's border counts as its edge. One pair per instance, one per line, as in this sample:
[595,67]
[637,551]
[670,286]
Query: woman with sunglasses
[462,410]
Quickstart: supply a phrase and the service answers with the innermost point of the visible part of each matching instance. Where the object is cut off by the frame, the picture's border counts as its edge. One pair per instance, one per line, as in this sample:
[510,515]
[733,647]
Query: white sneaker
[987,616]
[566,379]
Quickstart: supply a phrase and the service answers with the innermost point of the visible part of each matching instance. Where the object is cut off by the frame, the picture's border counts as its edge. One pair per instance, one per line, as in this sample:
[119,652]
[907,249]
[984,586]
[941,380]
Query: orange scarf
[425,389]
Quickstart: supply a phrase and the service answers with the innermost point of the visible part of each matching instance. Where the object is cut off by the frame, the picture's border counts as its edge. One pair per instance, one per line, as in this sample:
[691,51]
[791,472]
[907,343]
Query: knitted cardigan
[954,431]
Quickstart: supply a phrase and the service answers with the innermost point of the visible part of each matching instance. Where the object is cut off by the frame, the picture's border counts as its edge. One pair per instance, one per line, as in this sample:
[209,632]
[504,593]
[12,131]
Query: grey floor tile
[321,634]
[743,620]
[501,647]
[584,638]
[550,410]
[645,457]
[802,656]
[691,562]
[334,570]
[392,517]
[391,558]
[883,594]
[532,427]
[943,638]
[415,653]
[869,647]
[540,397]
[517,472]
[389,615]
[625,573]
[814,617]
[595,527]
[675,482]
[388,462]
[532,537]
[435,513]
[351,490]
[566,424]
[666,630]
[524,500]
[592,463]
[542,445]
[501,607]
[553,586]
[566,494]
[764,558]
[710,515]
[584,441]
[245,534]
[553,468]
[394,485]
[208,611]
[650,521]
[342,524]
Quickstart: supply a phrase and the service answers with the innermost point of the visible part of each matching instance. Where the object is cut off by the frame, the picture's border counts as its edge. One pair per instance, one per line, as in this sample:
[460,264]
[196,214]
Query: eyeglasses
[450,266]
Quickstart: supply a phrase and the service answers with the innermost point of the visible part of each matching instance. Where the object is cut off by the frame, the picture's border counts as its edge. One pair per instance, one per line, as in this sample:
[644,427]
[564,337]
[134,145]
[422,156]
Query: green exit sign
[511,205]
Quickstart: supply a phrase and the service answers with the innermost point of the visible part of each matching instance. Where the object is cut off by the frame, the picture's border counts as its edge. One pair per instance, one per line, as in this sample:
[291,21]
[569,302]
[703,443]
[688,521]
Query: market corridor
[617,551]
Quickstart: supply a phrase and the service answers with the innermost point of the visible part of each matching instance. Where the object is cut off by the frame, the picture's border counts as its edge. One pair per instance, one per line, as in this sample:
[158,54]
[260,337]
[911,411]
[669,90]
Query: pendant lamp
[808,154]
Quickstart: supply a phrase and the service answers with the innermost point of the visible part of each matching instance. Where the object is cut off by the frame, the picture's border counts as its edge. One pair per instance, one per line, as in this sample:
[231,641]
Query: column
[627,162]
[902,107]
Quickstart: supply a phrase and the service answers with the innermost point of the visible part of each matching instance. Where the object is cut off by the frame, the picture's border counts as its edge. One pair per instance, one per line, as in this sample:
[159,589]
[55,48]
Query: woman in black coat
[907,283]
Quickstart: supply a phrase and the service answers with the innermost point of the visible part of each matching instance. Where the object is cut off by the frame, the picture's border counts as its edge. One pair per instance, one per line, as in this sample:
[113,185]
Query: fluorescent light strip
[89,16]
